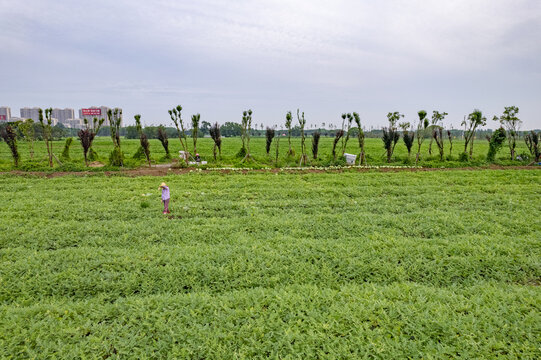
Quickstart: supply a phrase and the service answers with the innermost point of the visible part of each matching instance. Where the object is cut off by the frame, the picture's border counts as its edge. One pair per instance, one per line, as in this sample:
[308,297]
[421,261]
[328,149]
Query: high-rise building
[30,113]
[62,115]
[5,113]
[95,111]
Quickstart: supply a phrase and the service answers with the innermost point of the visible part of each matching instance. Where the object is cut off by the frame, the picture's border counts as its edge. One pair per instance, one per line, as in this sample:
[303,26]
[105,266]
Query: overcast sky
[219,58]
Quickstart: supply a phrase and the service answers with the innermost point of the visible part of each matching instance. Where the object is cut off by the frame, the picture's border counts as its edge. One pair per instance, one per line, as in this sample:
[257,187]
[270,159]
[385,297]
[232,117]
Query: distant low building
[74,123]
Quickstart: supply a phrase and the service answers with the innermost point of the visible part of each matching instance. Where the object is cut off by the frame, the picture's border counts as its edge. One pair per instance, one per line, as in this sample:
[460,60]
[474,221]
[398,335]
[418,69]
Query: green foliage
[337,138]
[143,140]
[346,120]
[407,136]
[195,129]
[512,123]
[302,123]
[230,129]
[390,134]
[241,154]
[115,121]
[46,128]
[437,134]
[139,154]
[132,132]
[495,144]
[474,120]
[162,136]
[315,144]
[116,158]
[533,142]
[289,119]
[269,135]
[360,138]
[66,152]
[93,155]
[216,136]
[10,137]
[326,265]
[246,129]
[176,117]
[144,204]
[29,134]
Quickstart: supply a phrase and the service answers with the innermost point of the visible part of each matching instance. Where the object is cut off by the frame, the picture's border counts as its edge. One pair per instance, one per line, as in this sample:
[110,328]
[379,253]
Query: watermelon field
[272,264]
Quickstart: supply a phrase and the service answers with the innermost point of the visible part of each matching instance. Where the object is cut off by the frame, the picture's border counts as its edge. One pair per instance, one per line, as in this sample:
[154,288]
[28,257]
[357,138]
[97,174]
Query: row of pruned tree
[432,129]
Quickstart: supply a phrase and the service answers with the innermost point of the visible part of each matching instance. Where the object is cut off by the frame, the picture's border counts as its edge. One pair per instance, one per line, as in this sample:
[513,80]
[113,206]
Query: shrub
[246,128]
[463,157]
[302,123]
[10,137]
[337,138]
[471,123]
[217,137]
[421,132]
[495,143]
[269,134]
[315,144]
[143,139]
[46,127]
[116,158]
[139,154]
[345,139]
[289,119]
[66,152]
[360,137]
[407,136]
[86,137]
[195,130]
[176,117]
[390,134]
[512,123]
[533,142]
[162,136]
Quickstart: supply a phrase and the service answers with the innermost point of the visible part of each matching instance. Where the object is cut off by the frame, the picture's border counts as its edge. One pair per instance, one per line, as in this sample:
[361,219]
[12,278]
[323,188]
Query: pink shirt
[165,193]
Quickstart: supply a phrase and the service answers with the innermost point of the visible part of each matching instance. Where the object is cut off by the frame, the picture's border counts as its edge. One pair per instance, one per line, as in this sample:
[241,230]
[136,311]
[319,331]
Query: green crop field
[374,150]
[439,264]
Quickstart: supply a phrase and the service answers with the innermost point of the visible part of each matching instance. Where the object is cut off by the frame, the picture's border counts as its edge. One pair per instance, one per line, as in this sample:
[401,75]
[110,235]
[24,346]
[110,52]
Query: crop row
[351,321]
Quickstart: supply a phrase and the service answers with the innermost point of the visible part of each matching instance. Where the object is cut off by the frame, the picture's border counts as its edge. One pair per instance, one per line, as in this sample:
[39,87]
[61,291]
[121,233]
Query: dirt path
[163,170]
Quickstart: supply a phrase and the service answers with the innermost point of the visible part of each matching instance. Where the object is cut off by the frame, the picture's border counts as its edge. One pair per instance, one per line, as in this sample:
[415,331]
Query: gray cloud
[218,58]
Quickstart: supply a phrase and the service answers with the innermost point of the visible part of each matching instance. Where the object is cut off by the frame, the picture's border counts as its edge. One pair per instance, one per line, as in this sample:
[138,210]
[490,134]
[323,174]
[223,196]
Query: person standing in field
[165,197]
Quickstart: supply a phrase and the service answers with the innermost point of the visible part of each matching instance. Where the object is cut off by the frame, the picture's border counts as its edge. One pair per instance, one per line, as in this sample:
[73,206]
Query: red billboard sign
[3,118]
[91,112]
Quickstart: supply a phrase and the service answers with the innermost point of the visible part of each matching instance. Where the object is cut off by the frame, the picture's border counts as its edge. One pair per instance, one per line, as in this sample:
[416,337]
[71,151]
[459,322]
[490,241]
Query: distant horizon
[219,58]
[130,122]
